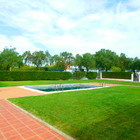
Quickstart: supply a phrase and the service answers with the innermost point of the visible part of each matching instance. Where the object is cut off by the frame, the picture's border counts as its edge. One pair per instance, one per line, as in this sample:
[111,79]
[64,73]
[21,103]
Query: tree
[124,62]
[78,61]
[135,65]
[38,58]
[115,69]
[55,59]
[9,58]
[27,56]
[105,59]
[48,57]
[66,58]
[57,67]
[88,61]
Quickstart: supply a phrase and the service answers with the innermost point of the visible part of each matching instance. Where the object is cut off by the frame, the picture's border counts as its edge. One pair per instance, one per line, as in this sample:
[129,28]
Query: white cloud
[65,24]
[134,3]
[20,43]
[78,26]
[111,36]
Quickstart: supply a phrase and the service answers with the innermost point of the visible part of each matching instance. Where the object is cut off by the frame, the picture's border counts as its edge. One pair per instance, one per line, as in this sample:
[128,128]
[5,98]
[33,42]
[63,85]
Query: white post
[139,76]
[132,77]
[100,75]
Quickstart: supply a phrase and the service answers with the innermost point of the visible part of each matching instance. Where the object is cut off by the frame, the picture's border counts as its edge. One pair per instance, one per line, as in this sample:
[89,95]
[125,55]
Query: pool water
[62,87]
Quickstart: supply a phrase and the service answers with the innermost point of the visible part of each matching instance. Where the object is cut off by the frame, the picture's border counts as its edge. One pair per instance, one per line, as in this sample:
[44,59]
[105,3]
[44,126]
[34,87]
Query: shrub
[117,75]
[57,67]
[91,75]
[33,75]
[25,68]
[78,75]
[115,69]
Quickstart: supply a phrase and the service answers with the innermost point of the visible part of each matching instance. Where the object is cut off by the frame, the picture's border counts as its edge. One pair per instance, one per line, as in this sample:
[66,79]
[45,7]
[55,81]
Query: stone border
[45,93]
[41,121]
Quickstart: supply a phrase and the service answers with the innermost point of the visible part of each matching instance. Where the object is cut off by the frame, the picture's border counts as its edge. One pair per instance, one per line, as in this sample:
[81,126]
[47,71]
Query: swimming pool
[62,87]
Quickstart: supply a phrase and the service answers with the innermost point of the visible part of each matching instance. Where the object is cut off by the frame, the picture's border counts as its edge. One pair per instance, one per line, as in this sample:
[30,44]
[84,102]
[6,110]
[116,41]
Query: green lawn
[46,82]
[111,113]
[40,82]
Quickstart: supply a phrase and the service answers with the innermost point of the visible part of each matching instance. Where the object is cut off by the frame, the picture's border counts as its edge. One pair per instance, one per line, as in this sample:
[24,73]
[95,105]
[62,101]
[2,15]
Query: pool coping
[44,92]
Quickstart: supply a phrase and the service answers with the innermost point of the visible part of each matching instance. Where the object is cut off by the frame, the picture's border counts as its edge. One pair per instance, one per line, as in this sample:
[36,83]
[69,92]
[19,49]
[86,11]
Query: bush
[78,75]
[115,69]
[25,68]
[33,75]
[91,75]
[57,67]
[117,75]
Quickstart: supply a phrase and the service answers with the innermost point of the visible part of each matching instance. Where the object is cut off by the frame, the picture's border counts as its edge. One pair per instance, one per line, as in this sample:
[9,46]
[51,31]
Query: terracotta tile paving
[17,125]
[10,92]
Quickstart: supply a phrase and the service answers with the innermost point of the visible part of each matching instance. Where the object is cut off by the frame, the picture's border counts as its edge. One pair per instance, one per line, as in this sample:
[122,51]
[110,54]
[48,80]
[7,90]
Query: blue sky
[76,26]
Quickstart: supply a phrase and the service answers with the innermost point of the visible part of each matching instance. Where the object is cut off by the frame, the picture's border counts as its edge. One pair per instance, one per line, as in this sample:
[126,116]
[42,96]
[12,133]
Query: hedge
[78,75]
[91,75]
[33,75]
[117,75]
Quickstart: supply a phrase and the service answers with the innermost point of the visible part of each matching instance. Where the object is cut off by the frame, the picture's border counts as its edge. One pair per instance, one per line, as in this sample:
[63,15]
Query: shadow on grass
[123,126]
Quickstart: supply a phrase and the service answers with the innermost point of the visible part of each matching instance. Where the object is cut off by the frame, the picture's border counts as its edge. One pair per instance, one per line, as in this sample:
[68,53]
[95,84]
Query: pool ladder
[102,84]
[59,87]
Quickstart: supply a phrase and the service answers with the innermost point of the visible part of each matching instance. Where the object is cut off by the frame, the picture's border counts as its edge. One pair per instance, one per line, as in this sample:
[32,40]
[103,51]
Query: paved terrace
[16,124]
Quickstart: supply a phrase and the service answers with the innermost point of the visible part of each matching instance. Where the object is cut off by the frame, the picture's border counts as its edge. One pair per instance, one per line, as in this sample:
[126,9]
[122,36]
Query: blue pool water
[62,87]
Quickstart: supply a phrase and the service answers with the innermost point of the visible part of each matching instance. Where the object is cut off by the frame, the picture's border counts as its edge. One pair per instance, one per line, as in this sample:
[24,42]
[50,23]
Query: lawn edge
[43,122]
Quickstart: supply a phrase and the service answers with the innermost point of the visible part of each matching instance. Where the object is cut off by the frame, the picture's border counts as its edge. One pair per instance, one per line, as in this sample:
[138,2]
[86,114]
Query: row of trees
[103,60]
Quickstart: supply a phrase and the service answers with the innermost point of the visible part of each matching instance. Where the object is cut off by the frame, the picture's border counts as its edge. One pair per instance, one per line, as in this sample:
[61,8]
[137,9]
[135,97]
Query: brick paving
[10,92]
[17,125]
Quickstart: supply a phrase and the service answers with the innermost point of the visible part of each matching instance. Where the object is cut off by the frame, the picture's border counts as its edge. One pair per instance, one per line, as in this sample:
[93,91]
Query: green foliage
[78,61]
[124,62]
[25,68]
[102,60]
[33,75]
[66,58]
[9,59]
[135,64]
[91,75]
[117,75]
[88,61]
[105,59]
[57,67]
[27,57]
[38,58]
[111,113]
[48,82]
[78,75]
[30,68]
[115,69]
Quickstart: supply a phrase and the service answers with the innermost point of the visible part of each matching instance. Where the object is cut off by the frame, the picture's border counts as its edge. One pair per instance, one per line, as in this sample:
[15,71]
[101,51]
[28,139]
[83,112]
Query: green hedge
[78,75]
[33,75]
[91,75]
[117,75]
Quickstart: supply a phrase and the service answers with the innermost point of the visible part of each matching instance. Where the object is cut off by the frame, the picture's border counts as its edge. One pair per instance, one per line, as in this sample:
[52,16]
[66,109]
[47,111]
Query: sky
[76,26]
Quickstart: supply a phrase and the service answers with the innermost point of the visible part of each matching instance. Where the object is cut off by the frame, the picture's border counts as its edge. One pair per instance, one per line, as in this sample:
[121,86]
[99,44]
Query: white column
[132,77]
[100,75]
[139,78]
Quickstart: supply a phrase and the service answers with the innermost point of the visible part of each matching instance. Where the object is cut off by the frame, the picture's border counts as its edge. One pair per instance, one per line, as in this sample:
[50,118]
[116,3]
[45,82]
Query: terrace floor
[11,92]
[17,125]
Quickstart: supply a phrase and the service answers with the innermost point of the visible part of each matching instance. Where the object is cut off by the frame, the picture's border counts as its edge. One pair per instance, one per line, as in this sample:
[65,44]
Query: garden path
[15,124]
[10,92]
